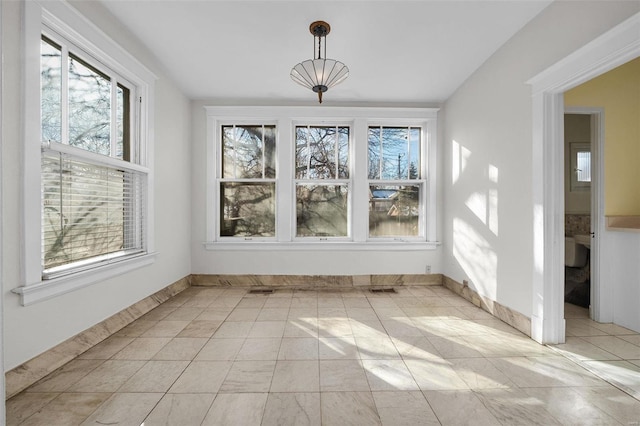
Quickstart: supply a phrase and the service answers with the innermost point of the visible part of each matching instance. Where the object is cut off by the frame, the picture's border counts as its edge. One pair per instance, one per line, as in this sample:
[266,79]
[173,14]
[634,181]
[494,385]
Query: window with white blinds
[88,174]
[92,212]
[93,192]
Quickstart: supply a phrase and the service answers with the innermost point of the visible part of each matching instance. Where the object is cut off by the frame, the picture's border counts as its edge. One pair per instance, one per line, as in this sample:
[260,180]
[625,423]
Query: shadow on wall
[476,227]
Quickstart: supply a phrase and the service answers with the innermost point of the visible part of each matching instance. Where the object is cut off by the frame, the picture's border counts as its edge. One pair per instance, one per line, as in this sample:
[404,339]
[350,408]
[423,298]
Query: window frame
[71,50]
[61,19]
[220,179]
[421,181]
[335,181]
[576,148]
[358,119]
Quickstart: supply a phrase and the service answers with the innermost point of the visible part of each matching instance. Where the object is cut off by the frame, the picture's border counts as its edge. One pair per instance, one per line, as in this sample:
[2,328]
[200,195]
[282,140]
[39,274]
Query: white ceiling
[403,52]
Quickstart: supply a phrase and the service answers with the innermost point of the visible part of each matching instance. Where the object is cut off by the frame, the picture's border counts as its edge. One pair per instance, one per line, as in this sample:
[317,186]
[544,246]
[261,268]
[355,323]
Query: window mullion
[137,151]
[359,175]
[381,161]
[263,153]
[308,152]
[336,161]
[235,152]
[408,162]
[64,95]
[428,156]
[285,175]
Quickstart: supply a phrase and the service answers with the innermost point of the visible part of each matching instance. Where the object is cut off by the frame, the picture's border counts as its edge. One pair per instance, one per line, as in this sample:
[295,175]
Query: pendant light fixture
[321,73]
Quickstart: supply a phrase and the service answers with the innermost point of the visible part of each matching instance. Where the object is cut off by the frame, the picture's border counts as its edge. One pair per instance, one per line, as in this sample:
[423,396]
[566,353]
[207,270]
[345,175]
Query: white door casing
[615,47]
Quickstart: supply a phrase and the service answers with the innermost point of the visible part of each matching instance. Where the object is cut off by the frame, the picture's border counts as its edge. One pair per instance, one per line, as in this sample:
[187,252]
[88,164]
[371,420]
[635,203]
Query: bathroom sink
[583,239]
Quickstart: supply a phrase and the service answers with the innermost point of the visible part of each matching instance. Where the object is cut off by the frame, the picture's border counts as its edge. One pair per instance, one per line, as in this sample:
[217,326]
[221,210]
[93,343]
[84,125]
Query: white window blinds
[93,210]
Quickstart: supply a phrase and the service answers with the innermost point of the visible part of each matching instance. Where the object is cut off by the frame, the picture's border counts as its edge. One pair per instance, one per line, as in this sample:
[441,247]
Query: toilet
[575,254]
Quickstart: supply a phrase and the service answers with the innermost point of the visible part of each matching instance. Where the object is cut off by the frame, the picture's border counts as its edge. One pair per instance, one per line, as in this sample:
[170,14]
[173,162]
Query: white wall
[488,167]
[285,262]
[31,330]
[620,275]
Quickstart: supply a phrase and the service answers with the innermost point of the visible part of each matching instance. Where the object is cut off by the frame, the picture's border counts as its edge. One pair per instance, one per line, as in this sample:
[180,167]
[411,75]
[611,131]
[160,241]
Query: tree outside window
[322,182]
[247,186]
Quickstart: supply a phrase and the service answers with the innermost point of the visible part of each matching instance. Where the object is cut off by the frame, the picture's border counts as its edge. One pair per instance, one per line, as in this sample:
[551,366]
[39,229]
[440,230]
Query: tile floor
[424,356]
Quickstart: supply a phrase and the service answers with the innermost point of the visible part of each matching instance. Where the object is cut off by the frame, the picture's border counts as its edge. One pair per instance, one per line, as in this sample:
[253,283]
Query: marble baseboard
[35,369]
[513,318]
[316,281]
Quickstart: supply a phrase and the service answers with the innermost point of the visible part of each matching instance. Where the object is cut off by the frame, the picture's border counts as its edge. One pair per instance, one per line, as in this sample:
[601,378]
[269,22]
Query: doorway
[584,209]
[615,47]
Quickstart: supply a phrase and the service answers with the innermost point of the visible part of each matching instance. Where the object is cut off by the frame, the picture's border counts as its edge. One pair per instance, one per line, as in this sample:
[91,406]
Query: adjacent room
[265,212]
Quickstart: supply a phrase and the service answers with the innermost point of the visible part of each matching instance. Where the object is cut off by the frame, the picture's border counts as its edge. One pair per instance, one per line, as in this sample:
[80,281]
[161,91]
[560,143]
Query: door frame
[613,48]
[2,379]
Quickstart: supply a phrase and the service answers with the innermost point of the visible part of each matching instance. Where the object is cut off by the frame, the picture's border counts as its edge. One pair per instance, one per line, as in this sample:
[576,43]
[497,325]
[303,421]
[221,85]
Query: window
[346,179]
[91,206]
[85,114]
[248,181]
[322,181]
[580,166]
[86,143]
[395,184]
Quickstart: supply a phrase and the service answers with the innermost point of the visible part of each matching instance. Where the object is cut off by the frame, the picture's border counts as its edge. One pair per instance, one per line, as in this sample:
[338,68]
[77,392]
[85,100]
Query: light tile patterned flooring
[424,356]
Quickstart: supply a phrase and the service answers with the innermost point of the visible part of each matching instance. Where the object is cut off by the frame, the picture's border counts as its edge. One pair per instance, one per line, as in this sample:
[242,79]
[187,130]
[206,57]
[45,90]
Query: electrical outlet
[427,269]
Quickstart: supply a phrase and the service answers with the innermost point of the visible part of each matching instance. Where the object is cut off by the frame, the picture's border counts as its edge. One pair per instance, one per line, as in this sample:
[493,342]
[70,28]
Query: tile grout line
[598,374]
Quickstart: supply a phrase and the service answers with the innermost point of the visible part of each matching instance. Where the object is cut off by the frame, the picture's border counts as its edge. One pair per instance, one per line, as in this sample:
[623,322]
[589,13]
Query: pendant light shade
[321,73]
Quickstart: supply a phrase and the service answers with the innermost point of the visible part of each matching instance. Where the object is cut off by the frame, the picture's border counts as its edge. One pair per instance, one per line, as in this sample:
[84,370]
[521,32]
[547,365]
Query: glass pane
[583,169]
[244,147]
[248,146]
[303,152]
[89,108]
[228,152]
[270,152]
[322,152]
[122,123]
[321,210]
[394,153]
[322,161]
[375,147]
[51,91]
[394,210]
[247,209]
[343,152]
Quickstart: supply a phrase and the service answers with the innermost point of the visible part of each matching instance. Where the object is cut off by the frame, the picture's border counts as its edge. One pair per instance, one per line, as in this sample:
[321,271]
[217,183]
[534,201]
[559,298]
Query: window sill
[44,290]
[322,246]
